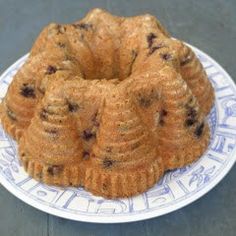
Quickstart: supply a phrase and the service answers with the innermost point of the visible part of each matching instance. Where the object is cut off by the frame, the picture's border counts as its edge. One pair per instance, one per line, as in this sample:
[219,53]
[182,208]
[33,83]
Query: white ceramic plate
[176,189]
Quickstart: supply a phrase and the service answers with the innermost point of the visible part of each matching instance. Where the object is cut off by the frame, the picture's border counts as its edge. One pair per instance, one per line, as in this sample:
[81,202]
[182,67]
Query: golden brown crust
[194,74]
[112,184]
[108,103]
[66,175]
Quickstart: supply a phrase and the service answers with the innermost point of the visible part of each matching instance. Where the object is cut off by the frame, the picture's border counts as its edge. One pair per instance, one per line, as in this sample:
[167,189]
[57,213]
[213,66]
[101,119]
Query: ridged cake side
[108,103]
[124,158]
[172,113]
[50,148]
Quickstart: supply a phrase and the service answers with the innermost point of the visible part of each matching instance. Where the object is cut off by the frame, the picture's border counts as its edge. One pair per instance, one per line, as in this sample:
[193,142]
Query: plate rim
[124,218]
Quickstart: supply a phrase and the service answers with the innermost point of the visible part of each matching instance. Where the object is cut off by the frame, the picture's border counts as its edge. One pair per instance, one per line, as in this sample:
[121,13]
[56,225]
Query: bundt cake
[108,103]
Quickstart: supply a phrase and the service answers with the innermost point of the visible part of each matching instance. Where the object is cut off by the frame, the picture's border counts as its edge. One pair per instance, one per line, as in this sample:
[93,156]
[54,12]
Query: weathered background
[208,24]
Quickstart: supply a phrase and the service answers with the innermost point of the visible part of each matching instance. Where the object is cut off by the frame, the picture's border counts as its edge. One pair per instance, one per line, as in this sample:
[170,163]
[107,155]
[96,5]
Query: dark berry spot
[190,122]
[199,130]
[11,114]
[148,99]
[85,155]
[166,56]
[191,115]
[51,70]
[88,134]
[150,39]
[61,45]
[43,114]
[163,113]
[27,91]
[54,169]
[107,163]
[83,26]
[145,102]
[186,60]
[191,112]
[104,186]
[73,107]
[154,48]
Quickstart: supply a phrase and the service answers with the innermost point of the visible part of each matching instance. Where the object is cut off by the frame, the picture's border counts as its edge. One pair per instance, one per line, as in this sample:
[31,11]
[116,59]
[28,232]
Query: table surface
[209,25]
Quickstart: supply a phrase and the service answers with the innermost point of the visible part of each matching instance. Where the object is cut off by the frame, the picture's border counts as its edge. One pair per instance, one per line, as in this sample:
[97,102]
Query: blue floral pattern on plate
[176,189]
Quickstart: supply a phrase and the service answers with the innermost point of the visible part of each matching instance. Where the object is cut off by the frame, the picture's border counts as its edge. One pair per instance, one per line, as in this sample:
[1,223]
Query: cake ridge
[109,103]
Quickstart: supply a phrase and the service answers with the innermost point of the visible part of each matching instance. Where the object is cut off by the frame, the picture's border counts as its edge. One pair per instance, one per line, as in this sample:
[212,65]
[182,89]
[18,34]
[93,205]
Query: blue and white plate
[176,189]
